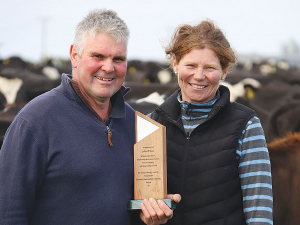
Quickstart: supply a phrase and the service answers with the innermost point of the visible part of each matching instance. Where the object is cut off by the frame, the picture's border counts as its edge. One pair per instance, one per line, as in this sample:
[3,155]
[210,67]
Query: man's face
[100,70]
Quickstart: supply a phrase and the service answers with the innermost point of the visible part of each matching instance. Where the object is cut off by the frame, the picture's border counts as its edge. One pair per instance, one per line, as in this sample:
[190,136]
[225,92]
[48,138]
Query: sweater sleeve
[255,175]
[21,173]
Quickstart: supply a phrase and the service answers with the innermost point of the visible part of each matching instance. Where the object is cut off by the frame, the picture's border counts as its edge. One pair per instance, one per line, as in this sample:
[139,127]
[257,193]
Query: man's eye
[98,56]
[119,59]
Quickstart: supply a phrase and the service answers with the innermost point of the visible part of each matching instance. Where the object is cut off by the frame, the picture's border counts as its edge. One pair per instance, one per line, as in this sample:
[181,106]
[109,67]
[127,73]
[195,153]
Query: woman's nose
[199,74]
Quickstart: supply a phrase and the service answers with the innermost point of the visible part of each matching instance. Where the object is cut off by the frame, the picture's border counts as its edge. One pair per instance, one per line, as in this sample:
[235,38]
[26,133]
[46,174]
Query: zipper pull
[109,134]
[188,136]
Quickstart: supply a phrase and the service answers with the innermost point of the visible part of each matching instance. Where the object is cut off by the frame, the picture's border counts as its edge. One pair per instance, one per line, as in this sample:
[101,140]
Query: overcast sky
[32,28]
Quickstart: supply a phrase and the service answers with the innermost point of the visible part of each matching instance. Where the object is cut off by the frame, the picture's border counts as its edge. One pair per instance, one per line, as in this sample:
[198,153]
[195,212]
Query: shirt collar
[193,105]
[118,105]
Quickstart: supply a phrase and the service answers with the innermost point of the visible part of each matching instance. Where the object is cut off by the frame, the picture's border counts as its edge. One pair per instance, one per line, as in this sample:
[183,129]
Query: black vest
[203,168]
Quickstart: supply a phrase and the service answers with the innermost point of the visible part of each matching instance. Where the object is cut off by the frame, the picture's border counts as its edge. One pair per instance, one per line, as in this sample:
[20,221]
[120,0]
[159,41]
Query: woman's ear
[224,75]
[175,68]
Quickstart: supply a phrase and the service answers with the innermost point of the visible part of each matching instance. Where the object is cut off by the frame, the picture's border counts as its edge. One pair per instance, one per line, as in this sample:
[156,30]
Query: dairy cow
[285,164]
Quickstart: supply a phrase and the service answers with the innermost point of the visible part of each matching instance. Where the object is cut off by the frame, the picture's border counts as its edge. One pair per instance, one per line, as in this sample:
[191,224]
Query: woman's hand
[155,213]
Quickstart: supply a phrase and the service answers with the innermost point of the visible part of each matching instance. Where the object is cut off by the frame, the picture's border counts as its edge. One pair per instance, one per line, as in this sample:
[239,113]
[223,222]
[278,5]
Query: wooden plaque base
[136,204]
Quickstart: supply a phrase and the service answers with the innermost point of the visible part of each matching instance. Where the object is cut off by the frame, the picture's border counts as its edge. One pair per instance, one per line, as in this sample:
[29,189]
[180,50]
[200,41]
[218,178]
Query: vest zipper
[109,134]
[183,175]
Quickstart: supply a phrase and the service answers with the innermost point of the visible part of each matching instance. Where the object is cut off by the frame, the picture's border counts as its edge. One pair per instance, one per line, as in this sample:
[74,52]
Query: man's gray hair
[100,21]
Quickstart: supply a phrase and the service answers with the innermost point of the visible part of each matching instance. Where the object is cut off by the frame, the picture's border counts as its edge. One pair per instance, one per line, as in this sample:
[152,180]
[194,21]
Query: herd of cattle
[272,89]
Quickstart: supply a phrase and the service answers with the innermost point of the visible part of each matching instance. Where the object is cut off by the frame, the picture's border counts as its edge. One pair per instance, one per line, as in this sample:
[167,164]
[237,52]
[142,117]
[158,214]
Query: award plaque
[150,162]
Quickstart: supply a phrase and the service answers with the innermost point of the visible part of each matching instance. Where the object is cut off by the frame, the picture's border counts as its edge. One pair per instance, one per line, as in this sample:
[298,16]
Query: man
[67,156]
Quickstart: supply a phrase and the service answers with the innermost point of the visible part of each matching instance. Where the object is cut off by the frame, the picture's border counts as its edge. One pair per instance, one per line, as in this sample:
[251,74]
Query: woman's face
[199,73]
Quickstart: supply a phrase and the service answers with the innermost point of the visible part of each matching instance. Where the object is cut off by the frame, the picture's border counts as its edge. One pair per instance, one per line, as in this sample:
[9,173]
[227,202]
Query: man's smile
[104,79]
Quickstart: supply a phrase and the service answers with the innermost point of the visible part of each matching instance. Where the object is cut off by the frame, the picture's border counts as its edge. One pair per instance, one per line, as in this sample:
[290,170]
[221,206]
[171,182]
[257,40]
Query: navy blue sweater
[56,165]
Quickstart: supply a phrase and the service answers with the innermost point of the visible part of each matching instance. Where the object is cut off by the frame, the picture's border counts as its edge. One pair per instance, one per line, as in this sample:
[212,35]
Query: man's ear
[73,56]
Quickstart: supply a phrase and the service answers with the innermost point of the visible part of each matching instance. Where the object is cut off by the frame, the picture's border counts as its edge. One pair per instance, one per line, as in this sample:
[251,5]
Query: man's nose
[108,66]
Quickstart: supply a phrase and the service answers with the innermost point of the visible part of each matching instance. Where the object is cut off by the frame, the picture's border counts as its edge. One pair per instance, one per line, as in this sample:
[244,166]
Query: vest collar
[172,108]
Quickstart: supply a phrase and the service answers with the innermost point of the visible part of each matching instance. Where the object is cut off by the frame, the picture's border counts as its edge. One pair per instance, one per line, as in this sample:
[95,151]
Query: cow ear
[73,56]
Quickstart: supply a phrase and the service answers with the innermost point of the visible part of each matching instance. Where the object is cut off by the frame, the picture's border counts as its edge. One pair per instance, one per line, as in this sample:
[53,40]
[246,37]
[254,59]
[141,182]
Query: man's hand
[155,213]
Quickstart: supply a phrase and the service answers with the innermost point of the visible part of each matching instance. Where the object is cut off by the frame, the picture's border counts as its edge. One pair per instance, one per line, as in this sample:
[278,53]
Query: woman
[218,159]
